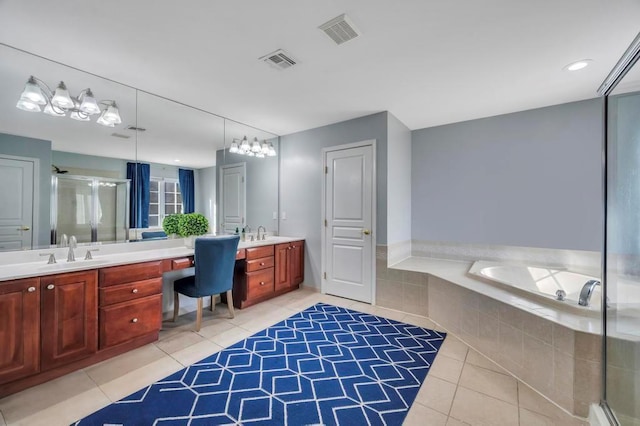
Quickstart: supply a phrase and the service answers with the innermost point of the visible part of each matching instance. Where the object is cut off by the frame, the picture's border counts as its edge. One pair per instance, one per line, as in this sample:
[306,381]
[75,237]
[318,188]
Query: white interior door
[349,207]
[16,208]
[233,208]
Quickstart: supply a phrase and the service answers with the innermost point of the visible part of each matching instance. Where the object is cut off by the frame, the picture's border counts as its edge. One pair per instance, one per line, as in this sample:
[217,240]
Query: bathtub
[541,282]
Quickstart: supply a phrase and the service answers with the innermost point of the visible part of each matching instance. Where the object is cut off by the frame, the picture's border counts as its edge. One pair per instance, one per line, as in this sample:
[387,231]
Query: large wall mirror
[62,177]
[248,180]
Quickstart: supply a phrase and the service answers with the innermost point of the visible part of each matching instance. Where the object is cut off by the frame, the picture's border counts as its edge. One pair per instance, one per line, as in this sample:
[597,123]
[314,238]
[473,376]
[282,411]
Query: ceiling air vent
[120,135]
[340,29]
[279,59]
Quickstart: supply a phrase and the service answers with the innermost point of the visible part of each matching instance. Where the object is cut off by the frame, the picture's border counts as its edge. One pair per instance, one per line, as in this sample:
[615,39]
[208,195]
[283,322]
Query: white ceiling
[428,62]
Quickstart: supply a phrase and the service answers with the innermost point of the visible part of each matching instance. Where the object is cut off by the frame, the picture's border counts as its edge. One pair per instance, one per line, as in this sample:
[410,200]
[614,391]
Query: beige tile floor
[462,387]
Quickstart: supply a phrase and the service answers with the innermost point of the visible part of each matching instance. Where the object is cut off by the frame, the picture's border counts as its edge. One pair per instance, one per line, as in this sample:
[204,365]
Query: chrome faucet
[64,240]
[73,243]
[587,291]
[264,231]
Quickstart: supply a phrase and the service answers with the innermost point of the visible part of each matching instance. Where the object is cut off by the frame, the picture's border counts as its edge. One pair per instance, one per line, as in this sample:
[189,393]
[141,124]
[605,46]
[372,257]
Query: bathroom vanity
[58,318]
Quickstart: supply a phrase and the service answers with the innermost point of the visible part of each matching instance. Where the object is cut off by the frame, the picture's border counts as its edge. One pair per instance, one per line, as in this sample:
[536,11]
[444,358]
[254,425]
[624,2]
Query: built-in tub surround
[556,352]
[560,287]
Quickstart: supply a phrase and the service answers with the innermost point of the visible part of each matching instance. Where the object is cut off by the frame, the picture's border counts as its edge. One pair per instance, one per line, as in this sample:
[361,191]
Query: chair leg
[176,305]
[230,303]
[199,314]
[213,302]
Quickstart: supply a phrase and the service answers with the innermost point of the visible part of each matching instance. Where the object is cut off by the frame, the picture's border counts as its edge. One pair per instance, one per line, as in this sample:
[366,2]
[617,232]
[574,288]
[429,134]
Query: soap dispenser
[243,237]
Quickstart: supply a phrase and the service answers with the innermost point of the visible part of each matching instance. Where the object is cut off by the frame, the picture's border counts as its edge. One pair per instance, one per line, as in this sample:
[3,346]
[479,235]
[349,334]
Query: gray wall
[35,148]
[205,188]
[399,179]
[531,178]
[90,165]
[301,181]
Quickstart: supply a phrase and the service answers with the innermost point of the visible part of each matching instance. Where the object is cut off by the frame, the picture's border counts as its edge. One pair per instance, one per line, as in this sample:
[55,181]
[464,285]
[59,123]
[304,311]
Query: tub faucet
[73,243]
[587,291]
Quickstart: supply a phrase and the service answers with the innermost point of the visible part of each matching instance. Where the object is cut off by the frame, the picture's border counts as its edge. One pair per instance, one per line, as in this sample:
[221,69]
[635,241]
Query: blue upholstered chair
[155,235]
[214,260]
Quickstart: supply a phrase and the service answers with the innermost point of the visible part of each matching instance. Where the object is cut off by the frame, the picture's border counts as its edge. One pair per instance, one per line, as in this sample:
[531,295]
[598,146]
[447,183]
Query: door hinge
[325,223]
[325,275]
[326,169]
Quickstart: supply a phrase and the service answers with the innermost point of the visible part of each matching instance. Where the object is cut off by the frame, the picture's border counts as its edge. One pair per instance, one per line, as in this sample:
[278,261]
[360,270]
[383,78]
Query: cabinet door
[282,266]
[297,262]
[69,319]
[19,329]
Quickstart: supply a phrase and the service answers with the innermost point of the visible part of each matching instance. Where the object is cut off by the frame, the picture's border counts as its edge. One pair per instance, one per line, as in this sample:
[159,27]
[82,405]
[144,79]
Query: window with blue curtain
[185,177]
[139,174]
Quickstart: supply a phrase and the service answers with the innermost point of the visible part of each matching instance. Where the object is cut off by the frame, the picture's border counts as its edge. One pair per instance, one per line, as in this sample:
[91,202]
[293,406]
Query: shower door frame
[94,180]
[619,71]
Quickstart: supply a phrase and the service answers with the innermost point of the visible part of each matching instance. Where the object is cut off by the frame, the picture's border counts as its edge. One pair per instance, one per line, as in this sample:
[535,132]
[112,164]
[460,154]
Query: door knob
[366,231]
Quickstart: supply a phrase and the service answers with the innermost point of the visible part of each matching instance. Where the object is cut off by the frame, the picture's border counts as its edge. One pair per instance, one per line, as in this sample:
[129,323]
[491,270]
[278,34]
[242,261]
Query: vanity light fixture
[254,149]
[57,103]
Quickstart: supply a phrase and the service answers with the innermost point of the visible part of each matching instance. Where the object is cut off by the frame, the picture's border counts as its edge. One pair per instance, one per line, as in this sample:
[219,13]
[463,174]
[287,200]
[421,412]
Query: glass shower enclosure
[621,259]
[93,209]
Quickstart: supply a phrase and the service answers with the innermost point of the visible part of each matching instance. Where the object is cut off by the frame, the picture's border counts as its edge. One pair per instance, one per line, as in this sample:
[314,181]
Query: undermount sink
[61,266]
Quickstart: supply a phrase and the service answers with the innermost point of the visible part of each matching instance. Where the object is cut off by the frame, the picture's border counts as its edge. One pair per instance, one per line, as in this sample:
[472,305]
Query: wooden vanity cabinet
[130,301]
[267,271]
[289,260]
[19,329]
[68,318]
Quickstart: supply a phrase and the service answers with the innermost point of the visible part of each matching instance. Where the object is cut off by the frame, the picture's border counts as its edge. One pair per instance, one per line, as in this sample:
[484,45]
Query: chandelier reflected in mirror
[254,149]
[58,103]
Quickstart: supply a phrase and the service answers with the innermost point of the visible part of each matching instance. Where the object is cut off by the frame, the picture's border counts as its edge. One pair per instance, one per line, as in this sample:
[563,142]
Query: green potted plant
[170,224]
[192,224]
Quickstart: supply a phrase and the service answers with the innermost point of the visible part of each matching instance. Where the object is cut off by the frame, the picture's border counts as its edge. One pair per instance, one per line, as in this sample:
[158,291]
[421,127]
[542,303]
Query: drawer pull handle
[134,291]
[135,320]
[50,287]
[262,282]
[31,289]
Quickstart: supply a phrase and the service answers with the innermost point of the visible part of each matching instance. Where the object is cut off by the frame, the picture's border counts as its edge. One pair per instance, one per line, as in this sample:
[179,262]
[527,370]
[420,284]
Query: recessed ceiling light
[578,65]
[176,160]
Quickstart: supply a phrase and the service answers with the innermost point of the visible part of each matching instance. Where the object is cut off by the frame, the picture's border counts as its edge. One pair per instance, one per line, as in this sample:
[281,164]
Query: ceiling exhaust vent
[120,135]
[340,29]
[279,59]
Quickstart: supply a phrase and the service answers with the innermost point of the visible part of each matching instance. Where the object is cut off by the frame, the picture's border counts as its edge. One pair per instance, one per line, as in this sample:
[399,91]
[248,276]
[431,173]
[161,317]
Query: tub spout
[587,291]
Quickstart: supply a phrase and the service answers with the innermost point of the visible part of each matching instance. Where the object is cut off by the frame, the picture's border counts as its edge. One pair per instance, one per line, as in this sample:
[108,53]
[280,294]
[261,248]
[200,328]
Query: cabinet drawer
[241,254]
[125,321]
[130,291]
[257,264]
[259,283]
[258,252]
[130,273]
[182,263]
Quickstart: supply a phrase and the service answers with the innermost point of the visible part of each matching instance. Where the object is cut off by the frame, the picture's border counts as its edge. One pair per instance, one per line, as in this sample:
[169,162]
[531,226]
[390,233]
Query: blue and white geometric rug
[325,365]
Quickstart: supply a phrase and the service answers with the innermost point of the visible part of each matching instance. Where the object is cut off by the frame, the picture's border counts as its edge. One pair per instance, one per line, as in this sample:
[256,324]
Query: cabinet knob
[135,320]
[261,263]
[50,287]
[31,289]
[262,282]
[134,291]
[289,248]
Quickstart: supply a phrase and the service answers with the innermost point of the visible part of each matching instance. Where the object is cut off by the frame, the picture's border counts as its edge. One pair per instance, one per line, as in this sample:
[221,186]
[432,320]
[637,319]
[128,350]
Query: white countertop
[14,265]
[456,273]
